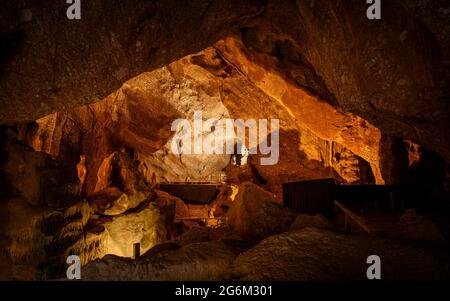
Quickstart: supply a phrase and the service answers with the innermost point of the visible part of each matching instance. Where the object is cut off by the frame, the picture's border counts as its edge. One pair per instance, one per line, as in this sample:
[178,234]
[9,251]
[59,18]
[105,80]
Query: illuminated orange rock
[255,214]
[225,81]
[145,227]
[181,210]
[133,117]
[223,201]
[112,201]
[307,111]
[82,171]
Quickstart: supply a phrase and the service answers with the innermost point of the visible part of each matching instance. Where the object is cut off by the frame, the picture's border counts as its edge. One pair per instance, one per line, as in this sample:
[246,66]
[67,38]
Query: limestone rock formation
[163,198]
[255,214]
[209,83]
[86,133]
[289,256]
[99,236]
[190,88]
[224,200]
[91,64]
[313,254]
[22,239]
[202,234]
[112,201]
[324,60]
[302,107]
[194,235]
[418,228]
[197,261]
[311,221]
[108,132]
[145,227]
[27,174]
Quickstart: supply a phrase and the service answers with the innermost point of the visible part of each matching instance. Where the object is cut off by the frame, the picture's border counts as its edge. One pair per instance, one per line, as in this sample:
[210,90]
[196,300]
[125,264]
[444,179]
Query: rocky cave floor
[308,254]
[313,252]
[258,240]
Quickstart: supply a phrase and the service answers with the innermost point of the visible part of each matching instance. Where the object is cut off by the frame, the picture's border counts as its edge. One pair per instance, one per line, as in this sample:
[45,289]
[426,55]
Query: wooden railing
[349,215]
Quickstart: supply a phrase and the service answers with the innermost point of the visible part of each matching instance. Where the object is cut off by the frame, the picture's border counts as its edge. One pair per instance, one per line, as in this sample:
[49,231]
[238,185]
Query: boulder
[163,198]
[317,255]
[112,201]
[314,221]
[167,205]
[145,227]
[223,201]
[202,234]
[255,214]
[194,235]
[198,261]
[419,228]
[114,235]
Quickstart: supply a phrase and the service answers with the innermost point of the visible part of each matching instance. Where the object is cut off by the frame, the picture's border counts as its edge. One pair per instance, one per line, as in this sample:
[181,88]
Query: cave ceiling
[304,55]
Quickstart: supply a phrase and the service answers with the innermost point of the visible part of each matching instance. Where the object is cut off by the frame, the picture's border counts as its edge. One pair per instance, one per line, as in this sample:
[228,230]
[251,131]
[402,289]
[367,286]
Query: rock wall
[397,79]
[137,120]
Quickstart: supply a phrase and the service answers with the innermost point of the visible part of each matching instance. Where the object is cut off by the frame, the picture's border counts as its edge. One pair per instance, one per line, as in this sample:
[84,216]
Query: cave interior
[360,150]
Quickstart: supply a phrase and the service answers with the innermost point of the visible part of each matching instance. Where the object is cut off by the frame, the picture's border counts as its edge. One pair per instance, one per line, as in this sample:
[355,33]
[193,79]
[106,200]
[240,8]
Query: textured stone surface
[306,110]
[26,174]
[417,227]
[255,214]
[112,201]
[202,234]
[205,81]
[132,118]
[198,261]
[145,227]
[87,59]
[312,254]
[189,88]
[347,92]
[397,78]
[311,221]
[97,236]
[309,254]
[391,73]
[21,239]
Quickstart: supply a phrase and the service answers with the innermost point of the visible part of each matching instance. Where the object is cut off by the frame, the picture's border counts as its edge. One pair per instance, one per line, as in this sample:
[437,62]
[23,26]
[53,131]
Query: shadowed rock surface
[313,254]
[311,221]
[255,214]
[309,254]
[197,261]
